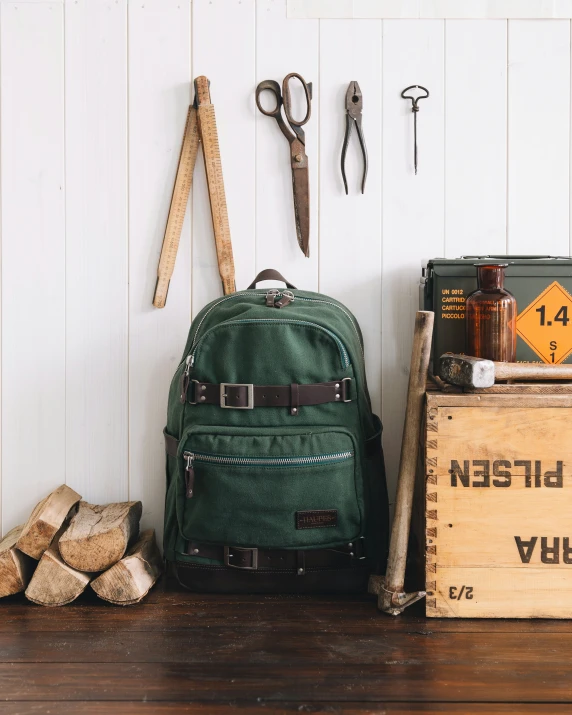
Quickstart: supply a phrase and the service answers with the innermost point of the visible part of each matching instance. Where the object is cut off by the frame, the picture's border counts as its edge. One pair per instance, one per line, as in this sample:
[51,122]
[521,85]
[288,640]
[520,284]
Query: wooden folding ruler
[200,127]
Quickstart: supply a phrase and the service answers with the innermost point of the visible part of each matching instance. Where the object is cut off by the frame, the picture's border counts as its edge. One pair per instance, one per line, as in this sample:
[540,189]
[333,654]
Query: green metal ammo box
[542,286]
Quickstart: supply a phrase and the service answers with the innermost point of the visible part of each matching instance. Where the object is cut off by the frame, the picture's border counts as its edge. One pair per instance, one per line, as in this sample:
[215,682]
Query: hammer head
[466,371]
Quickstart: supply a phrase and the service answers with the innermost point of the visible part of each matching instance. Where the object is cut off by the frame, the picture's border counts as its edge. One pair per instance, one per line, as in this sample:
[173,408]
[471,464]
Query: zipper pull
[271,297]
[185,379]
[287,297]
[189,474]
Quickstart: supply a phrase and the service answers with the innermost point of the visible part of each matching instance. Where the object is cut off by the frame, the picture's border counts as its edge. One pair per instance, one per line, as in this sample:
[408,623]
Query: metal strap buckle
[228,554]
[223,395]
[346,388]
[194,401]
[359,548]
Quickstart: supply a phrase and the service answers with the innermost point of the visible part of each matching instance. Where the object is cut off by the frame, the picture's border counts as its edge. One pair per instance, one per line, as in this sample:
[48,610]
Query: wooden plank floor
[185,653]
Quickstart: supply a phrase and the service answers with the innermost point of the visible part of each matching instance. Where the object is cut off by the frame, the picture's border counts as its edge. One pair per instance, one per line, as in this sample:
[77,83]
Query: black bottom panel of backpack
[222,579]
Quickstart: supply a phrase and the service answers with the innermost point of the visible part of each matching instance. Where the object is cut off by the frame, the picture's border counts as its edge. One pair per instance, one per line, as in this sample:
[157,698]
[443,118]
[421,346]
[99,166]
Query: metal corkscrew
[415,108]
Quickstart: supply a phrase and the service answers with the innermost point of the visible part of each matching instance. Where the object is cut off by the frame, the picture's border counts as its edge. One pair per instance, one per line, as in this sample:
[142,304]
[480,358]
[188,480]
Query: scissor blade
[301,188]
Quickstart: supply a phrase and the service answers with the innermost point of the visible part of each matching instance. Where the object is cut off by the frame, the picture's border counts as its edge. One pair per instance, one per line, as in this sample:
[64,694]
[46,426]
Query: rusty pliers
[354,105]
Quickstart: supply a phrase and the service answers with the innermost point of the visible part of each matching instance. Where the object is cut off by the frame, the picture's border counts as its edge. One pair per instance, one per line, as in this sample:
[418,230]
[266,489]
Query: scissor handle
[271,86]
[415,100]
[288,101]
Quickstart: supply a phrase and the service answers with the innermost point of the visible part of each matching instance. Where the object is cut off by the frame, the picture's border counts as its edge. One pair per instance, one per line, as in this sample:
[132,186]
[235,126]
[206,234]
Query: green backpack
[275,473]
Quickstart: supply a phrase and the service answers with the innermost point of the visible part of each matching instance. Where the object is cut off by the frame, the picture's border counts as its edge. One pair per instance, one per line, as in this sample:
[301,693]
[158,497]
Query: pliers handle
[354,105]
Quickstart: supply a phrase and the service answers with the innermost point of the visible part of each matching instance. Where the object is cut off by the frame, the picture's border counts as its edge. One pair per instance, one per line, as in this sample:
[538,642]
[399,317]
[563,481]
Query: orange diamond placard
[546,325]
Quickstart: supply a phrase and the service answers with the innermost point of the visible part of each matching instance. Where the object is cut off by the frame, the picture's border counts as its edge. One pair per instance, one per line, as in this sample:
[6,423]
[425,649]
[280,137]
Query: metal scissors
[297,139]
[354,106]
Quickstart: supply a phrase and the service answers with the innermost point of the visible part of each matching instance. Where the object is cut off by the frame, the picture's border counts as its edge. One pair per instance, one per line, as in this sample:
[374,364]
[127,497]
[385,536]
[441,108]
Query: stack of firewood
[67,544]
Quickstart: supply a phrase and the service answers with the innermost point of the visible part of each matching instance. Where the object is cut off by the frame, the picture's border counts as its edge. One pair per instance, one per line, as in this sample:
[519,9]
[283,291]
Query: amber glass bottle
[491,316]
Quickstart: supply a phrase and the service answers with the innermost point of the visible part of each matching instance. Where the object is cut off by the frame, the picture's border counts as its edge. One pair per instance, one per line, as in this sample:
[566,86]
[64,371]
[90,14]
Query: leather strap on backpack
[244,396]
[272,559]
[171,444]
[269,274]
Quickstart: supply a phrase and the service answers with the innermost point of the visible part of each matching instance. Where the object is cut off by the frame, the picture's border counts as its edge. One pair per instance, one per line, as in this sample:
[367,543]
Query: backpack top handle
[269,274]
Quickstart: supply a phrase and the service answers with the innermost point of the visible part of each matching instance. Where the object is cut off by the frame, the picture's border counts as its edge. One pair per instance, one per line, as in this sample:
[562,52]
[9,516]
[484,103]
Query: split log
[131,578]
[46,520]
[54,583]
[15,567]
[98,536]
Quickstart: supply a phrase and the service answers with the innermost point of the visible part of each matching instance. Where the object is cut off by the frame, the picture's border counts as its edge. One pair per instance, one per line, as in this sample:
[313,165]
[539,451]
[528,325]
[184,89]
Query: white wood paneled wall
[93,99]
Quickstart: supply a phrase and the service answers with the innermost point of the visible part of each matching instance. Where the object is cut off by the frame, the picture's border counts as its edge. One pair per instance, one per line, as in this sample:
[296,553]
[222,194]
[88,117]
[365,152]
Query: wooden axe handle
[389,600]
[531,371]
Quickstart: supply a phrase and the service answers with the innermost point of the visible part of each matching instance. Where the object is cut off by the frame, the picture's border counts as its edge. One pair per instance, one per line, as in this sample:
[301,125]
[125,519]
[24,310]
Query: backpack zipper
[189,474]
[339,307]
[345,358]
[215,305]
[273,294]
[284,298]
[203,458]
[270,296]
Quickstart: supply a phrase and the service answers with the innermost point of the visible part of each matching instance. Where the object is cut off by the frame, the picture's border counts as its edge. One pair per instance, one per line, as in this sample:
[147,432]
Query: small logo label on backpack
[316,519]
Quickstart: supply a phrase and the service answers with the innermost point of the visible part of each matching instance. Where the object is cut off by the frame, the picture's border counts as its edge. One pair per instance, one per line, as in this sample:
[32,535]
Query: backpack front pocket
[253,488]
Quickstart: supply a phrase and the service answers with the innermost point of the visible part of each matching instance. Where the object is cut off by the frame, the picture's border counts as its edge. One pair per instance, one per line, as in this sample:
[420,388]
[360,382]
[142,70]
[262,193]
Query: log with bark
[54,583]
[15,567]
[98,536]
[131,578]
[46,520]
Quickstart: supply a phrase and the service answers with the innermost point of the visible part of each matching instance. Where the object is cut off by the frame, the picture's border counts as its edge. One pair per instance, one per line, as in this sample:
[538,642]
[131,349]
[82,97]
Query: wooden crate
[498,505]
